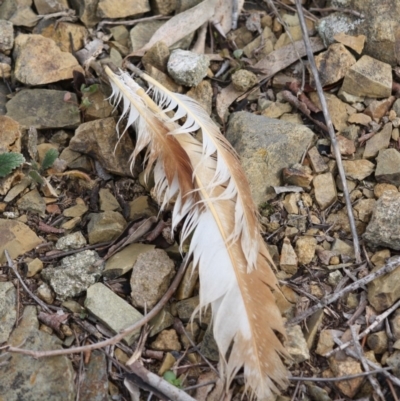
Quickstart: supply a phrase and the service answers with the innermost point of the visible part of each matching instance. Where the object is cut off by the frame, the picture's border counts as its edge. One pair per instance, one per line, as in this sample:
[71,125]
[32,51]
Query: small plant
[89,89]
[171,378]
[10,161]
[37,170]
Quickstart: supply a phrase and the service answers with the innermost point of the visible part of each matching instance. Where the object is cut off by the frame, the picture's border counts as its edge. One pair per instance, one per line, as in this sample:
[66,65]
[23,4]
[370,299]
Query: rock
[305,249]
[346,146]
[378,342]
[161,322]
[71,241]
[276,110]
[157,56]
[369,77]
[296,345]
[297,175]
[344,367]
[188,283]
[50,6]
[383,229]
[112,310]
[142,32]
[341,221]
[8,309]
[44,109]
[333,64]
[98,139]
[38,61]
[164,79]
[378,108]
[99,106]
[87,11]
[121,8]
[378,141]
[17,238]
[32,375]
[108,202]
[353,42]
[336,107]
[167,363]
[105,226]
[18,12]
[151,276]
[34,267]
[243,80]
[203,93]
[187,68]
[341,248]
[288,261]
[186,308]
[326,341]
[264,42]
[359,118]
[32,202]
[314,323]
[266,146]
[325,190]
[141,207]
[364,209]
[379,258]
[358,169]
[208,346]
[290,203]
[6,36]
[167,340]
[74,274]
[164,7]
[10,140]
[388,166]
[379,189]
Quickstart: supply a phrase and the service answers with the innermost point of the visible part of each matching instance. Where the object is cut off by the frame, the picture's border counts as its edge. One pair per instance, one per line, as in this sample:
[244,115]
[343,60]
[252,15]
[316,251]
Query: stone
[164,7]
[276,110]
[380,188]
[167,363]
[336,108]
[388,166]
[379,108]
[341,221]
[244,80]
[314,323]
[98,105]
[290,203]
[369,77]
[167,340]
[121,8]
[379,258]
[383,229]
[18,12]
[87,11]
[187,68]
[203,94]
[341,248]
[264,42]
[297,175]
[188,283]
[164,79]
[112,311]
[50,6]
[358,169]
[6,36]
[38,61]
[325,190]
[208,346]
[334,278]
[353,42]
[104,227]
[333,64]
[344,367]
[32,202]
[157,56]
[151,276]
[75,274]
[71,241]
[160,322]
[32,375]
[305,249]
[142,32]
[45,294]
[326,341]
[364,209]
[186,308]
[266,146]
[99,140]
[108,202]
[288,261]
[17,238]
[346,146]
[76,211]
[359,118]
[8,309]
[296,345]
[378,342]
[379,141]
[35,266]
[141,207]
[43,109]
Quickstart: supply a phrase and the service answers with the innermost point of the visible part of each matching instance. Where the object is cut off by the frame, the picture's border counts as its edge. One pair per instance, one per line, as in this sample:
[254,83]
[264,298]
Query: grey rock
[105,226]
[121,8]
[243,80]
[74,274]
[74,240]
[142,32]
[296,344]
[3,98]
[44,109]
[161,322]
[45,294]
[19,12]
[187,68]
[26,378]
[6,36]
[208,346]
[325,190]
[8,309]
[378,142]
[186,308]
[266,146]
[358,169]
[396,107]
[50,6]
[112,310]
[388,166]
[151,276]
[32,202]
[87,11]
[383,228]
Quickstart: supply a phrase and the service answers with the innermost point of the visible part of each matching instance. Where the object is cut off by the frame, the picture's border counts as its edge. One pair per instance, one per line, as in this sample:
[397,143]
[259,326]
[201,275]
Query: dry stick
[342,10]
[363,359]
[340,378]
[368,330]
[330,129]
[131,22]
[391,264]
[113,340]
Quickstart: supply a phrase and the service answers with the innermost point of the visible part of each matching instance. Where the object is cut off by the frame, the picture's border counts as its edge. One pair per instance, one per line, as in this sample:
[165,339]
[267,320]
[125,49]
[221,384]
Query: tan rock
[297,175]
[5,70]
[380,188]
[290,203]
[203,93]
[345,367]
[157,56]
[325,190]
[346,146]
[364,209]
[379,258]
[296,345]
[6,36]
[354,42]
[317,162]
[50,6]
[167,340]
[305,249]
[121,8]
[18,12]
[378,108]
[378,342]
[359,118]
[87,11]
[369,77]
[35,266]
[277,109]
[163,7]
[326,341]
[10,138]
[358,169]
[288,260]
[38,61]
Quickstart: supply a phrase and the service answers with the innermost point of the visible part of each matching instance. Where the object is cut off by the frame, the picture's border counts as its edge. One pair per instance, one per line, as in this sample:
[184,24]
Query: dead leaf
[225,98]
[223,14]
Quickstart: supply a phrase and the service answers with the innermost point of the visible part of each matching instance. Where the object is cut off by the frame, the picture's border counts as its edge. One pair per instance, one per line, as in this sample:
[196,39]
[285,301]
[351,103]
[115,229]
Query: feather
[235,272]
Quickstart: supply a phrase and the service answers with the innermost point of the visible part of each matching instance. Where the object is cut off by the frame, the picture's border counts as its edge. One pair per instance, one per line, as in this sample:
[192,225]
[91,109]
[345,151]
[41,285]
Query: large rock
[39,61]
[383,228]
[266,146]
[380,25]
[121,8]
[8,309]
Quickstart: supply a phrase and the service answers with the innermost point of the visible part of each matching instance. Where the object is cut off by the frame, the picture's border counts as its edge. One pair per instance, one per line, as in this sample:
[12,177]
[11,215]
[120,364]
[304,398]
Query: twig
[308,15]
[340,378]
[113,340]
[368,330]
[342,10]
[372,379]
[361,306]
[331,131]
[131,22]
[391,264]
[235,14]
[31,294]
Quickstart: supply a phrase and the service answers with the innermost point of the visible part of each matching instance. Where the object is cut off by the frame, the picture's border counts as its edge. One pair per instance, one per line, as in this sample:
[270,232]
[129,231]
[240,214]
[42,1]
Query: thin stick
[338,379]
[342,10]
[113,340]
[332,135]
[131,22]
[391,264]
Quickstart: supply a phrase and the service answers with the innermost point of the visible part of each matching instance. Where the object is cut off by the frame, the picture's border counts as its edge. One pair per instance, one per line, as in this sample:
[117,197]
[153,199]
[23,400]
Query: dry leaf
[223,13]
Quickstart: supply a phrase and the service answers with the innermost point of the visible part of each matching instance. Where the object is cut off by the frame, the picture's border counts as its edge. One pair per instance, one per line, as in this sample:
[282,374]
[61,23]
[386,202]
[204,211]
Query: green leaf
[171,378]
[10,161]
[36,176]
[49,158]
[86,103]
[89,89]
